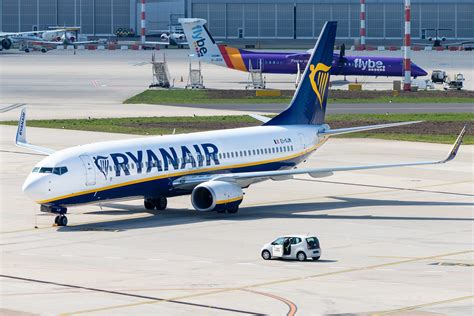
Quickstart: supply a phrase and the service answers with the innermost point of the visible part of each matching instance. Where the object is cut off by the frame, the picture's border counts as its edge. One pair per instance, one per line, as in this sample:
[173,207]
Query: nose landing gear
[60,219]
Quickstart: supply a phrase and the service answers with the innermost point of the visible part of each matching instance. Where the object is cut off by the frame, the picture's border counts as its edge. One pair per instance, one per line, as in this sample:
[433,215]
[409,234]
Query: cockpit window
[55,170]
[60,170]
[46,170]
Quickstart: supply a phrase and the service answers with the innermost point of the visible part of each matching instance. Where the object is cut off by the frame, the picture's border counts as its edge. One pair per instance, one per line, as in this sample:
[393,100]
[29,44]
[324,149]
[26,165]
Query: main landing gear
[155,203]
[231,210]
[60,219]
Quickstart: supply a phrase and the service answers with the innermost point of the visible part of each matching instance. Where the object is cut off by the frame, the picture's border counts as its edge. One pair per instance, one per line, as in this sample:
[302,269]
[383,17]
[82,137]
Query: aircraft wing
[245,178]
[21,137]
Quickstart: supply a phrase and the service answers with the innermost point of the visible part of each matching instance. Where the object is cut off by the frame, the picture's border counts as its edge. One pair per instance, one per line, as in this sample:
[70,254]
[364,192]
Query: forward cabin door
[90,170]
[302,141]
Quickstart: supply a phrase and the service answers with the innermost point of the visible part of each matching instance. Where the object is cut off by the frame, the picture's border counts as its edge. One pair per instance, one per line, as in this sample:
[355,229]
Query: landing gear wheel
[316,258]
[27,50]
[301,256]
[56,220]
[62,220]
[161,203]
[149,204]
[44,50]
[233,210]
[266,255]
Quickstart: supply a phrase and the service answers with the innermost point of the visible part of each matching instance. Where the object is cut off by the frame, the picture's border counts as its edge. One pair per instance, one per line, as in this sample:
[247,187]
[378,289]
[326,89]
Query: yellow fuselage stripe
[182,173]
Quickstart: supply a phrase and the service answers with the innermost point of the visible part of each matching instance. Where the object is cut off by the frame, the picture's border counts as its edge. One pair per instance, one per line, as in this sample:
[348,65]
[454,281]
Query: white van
[299,247]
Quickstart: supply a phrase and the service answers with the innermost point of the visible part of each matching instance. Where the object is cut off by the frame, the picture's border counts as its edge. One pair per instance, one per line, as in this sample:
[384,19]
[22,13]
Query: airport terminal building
[245,19]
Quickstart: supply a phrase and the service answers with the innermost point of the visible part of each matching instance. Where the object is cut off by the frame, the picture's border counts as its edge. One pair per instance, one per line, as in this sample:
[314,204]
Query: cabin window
[291,147]
[253,151]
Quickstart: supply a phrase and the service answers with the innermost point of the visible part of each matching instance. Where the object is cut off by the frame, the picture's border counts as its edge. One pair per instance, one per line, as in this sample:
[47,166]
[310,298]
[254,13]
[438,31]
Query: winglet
[21,131]
[457,144]
[21,141]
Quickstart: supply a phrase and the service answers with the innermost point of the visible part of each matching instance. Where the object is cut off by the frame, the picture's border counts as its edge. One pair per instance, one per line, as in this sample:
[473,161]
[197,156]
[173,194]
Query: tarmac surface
[394,241]
[94,84]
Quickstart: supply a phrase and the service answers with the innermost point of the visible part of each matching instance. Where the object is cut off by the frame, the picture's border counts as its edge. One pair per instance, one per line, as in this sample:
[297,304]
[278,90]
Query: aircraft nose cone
[34,187]
[418,71]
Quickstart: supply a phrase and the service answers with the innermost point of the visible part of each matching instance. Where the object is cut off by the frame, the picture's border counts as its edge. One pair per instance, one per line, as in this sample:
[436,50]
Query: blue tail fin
[309,102]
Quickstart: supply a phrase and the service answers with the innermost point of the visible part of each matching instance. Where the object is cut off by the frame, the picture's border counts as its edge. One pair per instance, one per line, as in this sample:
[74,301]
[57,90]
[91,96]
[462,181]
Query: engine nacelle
[6,43]
[443,39]
[216,196]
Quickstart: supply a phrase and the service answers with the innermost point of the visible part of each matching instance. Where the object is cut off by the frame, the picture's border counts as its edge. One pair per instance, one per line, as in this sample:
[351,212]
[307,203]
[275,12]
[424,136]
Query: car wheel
[316,258]
[266,255]
[301,256]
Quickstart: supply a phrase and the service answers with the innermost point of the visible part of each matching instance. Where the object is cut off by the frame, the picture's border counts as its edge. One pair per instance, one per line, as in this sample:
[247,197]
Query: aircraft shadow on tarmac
[173,217]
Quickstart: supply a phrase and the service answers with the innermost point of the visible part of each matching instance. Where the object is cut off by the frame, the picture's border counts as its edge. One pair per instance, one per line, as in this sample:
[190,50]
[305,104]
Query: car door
[295,243]
[277,247]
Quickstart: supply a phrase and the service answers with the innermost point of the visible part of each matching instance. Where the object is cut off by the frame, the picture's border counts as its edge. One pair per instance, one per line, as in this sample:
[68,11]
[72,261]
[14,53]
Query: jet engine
[6,43]
[217,196]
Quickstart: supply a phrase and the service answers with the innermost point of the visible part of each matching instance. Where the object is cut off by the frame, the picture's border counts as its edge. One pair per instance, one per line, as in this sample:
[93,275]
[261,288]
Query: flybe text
[369,64]
[199,41]
[160,159]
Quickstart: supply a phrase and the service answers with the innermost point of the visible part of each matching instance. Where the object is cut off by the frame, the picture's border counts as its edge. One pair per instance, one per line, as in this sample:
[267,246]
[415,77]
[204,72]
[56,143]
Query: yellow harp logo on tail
[319,78]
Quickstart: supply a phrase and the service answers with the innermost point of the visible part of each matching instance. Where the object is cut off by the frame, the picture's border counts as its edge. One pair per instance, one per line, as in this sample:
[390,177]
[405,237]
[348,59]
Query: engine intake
[6,43]
[216,196]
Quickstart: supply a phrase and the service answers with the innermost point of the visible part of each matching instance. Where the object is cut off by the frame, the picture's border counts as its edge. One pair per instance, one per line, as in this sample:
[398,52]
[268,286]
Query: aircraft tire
[149,204]
[316,258]
[62,221]
[161,203]
[233,210]
[56,220]
[27,50]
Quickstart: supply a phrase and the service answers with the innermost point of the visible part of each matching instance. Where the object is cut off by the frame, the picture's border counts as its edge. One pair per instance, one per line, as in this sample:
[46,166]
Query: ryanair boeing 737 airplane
[213,167]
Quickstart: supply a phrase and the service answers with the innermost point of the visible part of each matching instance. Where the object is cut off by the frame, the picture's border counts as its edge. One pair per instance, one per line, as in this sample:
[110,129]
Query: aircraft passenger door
[90,170]
[302,141]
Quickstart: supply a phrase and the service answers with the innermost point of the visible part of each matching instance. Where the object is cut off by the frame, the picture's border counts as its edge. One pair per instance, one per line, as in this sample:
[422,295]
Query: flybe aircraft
[212,167]
[203,46]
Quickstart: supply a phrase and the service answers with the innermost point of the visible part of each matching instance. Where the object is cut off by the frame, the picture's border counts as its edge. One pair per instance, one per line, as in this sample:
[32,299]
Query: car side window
[295,240]
[278,241]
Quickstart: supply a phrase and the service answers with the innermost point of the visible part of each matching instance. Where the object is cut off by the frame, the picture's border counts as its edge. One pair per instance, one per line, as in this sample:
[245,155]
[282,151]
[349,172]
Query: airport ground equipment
[161,74]
[438,76]
[299,247]
[195,78]
[456,83]
[256,80]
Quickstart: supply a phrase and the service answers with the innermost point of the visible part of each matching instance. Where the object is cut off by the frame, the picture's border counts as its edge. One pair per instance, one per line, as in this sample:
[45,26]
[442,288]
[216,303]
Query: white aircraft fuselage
[146,167]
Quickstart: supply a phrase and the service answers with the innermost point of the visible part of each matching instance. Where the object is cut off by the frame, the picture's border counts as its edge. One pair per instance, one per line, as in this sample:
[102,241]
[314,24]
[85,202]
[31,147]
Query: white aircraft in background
[213,167]
[58,36]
